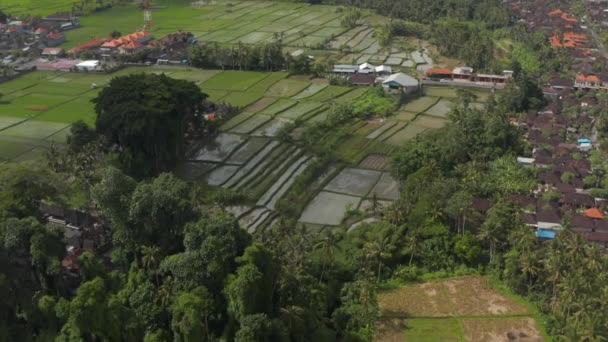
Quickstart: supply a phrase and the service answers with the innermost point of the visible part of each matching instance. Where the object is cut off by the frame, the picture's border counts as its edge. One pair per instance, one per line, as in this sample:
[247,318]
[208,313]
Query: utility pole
[147,15]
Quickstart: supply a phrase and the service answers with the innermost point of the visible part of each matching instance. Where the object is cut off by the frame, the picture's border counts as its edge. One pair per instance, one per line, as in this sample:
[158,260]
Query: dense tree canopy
[144,117]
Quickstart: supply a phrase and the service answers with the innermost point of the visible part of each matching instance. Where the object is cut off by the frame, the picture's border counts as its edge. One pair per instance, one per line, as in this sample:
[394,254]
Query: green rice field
[221,21]
[298,24]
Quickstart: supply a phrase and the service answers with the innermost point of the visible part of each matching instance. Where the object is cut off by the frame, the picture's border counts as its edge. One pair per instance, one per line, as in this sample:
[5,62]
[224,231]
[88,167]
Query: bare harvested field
[522,329]
[455,309]
[375,162]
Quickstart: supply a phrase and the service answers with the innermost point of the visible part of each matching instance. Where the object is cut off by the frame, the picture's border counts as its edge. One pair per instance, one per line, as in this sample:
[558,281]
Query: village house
[131,41]
[54,39]
[52,53]
[401,82]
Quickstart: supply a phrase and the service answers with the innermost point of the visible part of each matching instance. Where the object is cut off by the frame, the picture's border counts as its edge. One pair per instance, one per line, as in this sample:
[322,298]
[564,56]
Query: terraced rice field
[246,156]
[456,309]
[417,116]
[348,190]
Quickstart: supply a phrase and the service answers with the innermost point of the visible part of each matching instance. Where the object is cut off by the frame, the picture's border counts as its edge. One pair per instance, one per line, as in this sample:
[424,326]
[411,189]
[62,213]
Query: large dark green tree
[144,118]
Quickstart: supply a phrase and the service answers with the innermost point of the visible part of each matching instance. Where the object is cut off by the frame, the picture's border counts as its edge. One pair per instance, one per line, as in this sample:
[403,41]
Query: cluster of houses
[172,48]
[82,232]
[368,75]
[31,34]
[563,135]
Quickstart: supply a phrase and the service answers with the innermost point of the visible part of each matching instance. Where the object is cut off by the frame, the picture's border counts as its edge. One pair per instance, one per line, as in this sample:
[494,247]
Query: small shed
[401,82]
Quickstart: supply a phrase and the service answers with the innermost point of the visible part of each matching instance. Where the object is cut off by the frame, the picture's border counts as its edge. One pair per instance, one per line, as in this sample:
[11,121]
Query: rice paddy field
[456,309]
[220,21]
[228,22]
[38,108]
[35,7]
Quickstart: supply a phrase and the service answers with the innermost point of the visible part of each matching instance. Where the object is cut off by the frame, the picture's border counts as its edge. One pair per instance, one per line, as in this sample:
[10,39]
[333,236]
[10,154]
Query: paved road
[464,84]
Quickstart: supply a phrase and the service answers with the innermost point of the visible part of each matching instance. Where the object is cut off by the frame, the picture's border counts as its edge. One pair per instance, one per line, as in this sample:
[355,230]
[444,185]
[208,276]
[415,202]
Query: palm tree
[329,245]
[150,259]
[413,244]
[376,251]
[487,234]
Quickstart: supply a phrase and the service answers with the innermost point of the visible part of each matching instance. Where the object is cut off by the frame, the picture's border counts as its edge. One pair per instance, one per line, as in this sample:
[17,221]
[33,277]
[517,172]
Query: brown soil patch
[320,81]
[498,330]
[38,108]
[428,299]
[474,296]
[390,330]
[463,296]
[375,162]
[260,104]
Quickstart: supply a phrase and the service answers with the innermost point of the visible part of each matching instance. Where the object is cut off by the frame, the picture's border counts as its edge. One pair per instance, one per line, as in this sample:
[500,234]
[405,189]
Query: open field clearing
[455,309]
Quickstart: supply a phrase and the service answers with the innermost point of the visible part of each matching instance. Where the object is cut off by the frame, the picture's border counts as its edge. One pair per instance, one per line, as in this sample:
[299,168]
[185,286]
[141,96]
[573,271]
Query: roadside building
[401,82]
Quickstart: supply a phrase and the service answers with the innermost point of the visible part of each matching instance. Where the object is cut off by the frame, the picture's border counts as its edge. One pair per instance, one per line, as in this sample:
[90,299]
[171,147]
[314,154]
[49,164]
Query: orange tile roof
[555,41]
[588,78]
[90,44]
[593,78]
[555,12]
[441,71]
[594,213]
[131,45]
[566,18]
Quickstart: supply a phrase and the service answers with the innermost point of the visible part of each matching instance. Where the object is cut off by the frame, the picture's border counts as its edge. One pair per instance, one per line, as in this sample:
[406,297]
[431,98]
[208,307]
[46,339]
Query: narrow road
[463,84]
